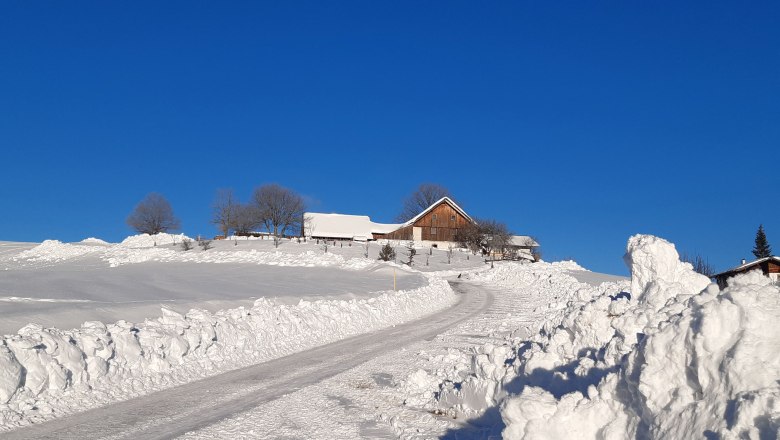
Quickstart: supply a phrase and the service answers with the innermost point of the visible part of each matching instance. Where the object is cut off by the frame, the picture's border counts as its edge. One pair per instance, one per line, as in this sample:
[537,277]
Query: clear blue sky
[576,122]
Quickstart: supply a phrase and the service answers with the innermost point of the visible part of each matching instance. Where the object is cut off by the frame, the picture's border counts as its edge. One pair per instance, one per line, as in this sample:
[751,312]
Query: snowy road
[194,406]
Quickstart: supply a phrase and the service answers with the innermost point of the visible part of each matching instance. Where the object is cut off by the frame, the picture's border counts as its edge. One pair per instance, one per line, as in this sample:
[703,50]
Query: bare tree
[224,210]
[425,195]
[495,236]
[153,215]
[307,227]
[699,263]
[470,237]
[280,209]
[245,219]
[536,251]
[486,235]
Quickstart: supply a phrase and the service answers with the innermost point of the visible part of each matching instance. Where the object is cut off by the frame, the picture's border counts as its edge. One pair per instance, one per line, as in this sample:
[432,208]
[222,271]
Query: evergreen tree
[762,248]
[387,253]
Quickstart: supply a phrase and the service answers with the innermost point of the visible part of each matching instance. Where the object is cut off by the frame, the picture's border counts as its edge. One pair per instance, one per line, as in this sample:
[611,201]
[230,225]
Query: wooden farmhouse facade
[769,266]
[437,225]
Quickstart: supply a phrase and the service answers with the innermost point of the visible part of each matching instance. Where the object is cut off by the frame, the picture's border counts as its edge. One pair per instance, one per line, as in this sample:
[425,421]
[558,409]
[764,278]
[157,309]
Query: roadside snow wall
[681,359]
[48,372]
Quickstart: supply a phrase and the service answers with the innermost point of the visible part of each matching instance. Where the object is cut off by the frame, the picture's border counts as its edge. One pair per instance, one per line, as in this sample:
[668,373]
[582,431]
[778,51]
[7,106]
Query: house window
[433,231]
[452,218]
[434,217]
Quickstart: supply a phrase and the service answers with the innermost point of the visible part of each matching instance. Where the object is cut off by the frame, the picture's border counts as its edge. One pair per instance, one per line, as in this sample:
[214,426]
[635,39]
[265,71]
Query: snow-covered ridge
[48,372]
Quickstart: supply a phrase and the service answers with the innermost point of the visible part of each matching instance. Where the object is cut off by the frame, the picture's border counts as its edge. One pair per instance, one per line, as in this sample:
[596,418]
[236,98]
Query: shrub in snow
[410,253]
[186,244]
[205,244]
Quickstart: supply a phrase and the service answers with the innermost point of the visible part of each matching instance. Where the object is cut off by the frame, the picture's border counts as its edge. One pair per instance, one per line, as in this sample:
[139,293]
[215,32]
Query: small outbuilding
[520,247]
[319,225]
[770,266]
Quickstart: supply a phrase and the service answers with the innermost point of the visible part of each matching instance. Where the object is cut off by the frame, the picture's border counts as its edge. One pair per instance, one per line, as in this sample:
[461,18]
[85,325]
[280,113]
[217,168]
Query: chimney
[743,261]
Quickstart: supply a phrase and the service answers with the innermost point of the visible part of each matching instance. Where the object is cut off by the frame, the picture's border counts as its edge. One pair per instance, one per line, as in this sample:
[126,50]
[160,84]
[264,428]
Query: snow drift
[673,357]
[160,248]
[685,360]
[47,372]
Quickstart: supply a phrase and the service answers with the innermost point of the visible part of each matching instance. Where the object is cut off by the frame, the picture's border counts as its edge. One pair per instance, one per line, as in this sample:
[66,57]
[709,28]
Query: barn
[769,266]
[437,226]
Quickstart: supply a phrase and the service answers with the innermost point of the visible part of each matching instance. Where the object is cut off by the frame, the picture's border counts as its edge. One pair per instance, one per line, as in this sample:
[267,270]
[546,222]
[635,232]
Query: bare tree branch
[699,263]
[245,219]
[224,211]
[425,195]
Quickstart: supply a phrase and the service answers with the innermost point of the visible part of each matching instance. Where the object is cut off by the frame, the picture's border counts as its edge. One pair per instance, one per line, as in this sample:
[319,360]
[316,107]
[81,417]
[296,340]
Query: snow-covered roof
[344,226]
[523,241]
[750,264]
[437,203]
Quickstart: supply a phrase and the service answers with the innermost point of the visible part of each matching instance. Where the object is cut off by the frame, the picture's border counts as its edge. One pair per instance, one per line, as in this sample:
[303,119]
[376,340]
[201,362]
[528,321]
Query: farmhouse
[770,266]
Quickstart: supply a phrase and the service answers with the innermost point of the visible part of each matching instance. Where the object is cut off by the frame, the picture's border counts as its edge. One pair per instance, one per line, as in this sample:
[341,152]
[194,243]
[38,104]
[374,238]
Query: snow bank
[146,240]
[679,359]
[474,379]
[140,249]
[55,250]
[46,372]
[93,240]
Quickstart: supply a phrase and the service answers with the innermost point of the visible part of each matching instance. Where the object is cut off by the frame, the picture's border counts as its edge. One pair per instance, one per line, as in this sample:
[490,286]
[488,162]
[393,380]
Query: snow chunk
[93,240]
[55,250]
